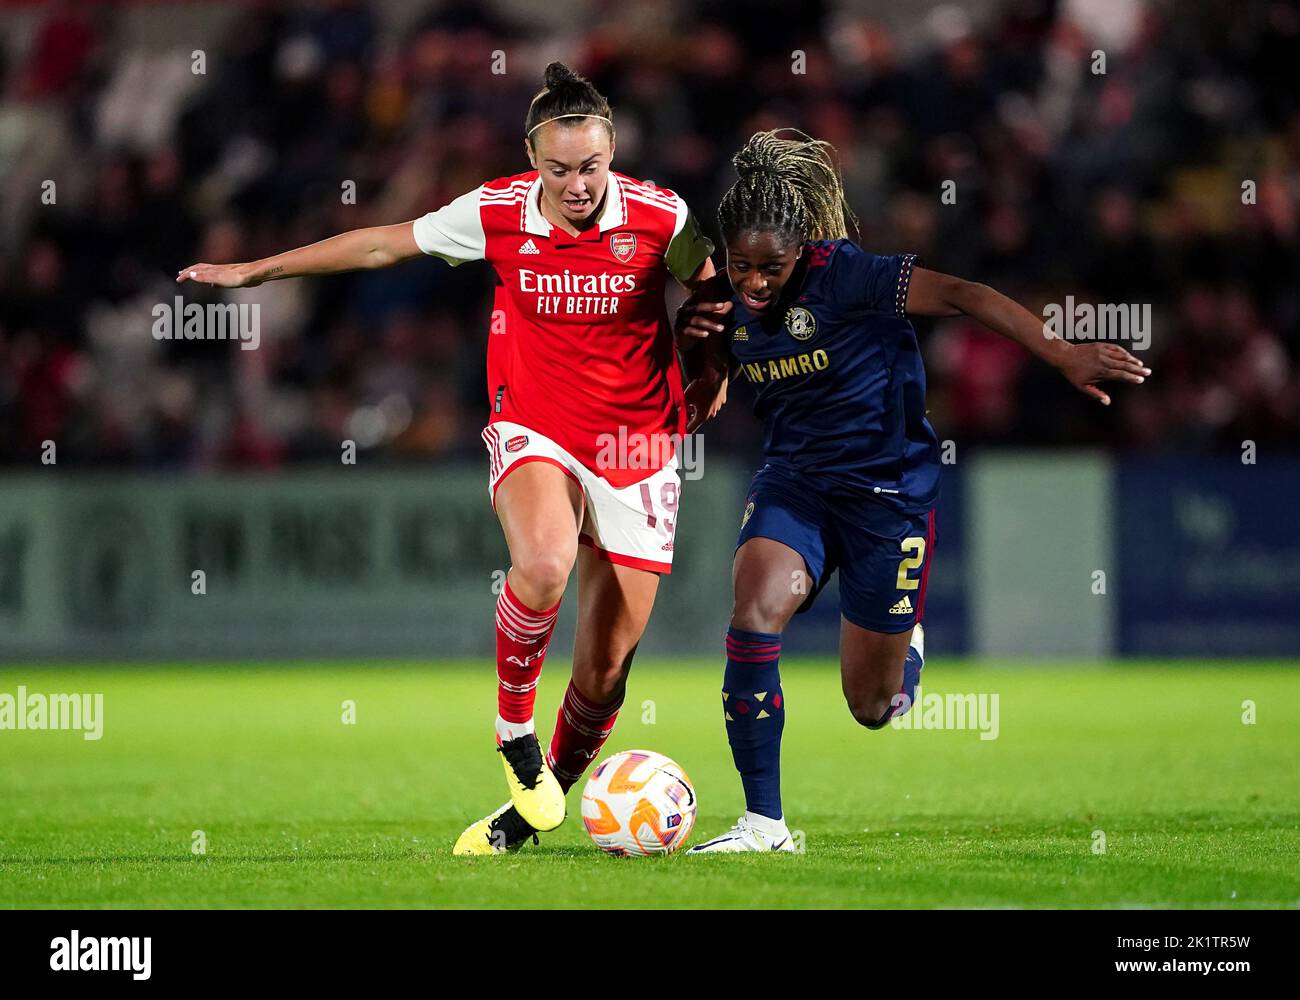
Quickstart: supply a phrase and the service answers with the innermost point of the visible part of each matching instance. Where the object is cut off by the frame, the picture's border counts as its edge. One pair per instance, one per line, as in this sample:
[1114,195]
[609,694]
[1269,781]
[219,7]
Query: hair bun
[557,74]
[762,153]
[566,95]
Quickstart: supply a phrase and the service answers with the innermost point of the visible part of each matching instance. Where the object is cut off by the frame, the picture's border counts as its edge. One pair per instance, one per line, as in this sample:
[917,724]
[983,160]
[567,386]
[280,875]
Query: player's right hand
[221,275]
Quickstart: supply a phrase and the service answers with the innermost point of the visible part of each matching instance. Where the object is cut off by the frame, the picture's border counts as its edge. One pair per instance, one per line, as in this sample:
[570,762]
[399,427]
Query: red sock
[522,638]
[581,729]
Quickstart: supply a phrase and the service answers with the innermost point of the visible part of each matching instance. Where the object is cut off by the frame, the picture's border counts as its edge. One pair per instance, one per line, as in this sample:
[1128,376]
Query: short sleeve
[454,232]
[867,281]
[689,247]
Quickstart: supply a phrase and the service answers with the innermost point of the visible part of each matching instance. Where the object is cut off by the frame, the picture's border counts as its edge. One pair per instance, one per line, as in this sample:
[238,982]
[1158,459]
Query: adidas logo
[529,247]
[903,607]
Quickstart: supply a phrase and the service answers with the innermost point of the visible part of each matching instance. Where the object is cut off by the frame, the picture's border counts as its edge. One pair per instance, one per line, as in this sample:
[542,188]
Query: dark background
[1124,188]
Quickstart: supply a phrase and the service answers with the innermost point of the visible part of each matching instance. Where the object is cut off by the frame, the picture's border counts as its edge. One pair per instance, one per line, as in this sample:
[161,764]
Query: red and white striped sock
[581,729]
[522,637]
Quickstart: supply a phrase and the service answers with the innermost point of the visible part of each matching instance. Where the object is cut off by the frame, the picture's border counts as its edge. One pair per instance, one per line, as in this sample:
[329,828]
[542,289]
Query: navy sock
[754,709]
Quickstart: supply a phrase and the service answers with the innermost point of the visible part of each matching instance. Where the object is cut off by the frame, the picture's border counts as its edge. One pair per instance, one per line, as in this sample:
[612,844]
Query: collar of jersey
[742,314]
[613,214]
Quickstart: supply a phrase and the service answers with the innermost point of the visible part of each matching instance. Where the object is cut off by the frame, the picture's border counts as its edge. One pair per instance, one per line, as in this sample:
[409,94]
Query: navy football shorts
[883,556]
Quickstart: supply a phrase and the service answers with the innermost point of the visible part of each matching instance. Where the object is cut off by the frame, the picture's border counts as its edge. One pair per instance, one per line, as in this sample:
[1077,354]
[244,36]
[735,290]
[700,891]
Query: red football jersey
[581,348]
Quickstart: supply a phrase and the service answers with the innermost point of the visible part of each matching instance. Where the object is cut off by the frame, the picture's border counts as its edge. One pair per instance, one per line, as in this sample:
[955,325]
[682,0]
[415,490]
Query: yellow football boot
[533,788]
[502,831]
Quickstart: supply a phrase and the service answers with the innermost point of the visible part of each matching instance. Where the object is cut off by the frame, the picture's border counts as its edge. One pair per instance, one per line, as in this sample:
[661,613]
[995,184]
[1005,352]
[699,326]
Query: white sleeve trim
[682,214]
[454,232]
[904,282]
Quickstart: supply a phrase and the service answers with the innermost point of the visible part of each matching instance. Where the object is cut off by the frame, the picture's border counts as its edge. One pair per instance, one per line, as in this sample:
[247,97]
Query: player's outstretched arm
[356,250]
[932,293]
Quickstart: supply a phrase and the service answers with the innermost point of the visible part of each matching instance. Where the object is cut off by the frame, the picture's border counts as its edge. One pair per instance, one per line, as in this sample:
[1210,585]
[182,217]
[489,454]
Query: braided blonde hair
[788,186]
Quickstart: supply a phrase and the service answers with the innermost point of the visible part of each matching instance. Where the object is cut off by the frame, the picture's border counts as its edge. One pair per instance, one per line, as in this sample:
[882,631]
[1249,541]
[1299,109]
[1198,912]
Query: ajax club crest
[801,323]
[622,246]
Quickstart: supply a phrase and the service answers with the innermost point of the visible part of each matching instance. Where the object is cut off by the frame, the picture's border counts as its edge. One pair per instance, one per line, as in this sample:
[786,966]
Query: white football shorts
[631,526]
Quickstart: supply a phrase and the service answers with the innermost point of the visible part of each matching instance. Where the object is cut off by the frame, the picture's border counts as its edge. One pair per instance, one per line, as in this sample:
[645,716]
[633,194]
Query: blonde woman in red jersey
[586,399]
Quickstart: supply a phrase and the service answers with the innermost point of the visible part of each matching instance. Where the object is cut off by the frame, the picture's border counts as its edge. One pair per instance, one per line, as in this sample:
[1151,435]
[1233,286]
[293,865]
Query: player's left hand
[705,396]
[1087,364]
[220,275]
[699,319]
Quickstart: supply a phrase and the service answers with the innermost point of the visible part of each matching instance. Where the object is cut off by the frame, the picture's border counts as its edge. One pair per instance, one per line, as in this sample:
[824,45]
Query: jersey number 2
[915,546]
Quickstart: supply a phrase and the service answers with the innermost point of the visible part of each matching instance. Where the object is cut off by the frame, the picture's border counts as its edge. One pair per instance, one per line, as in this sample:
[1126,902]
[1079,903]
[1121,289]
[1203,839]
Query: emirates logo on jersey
[622,246]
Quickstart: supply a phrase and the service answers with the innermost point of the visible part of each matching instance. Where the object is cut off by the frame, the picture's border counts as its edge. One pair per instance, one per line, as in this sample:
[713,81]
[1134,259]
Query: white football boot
[751,834]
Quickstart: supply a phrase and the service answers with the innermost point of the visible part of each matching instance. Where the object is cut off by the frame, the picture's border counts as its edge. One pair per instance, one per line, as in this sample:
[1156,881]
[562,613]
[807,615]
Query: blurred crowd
[990,145]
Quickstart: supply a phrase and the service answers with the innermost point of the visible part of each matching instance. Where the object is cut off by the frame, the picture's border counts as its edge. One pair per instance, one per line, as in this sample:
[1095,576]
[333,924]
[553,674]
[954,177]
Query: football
[638,803]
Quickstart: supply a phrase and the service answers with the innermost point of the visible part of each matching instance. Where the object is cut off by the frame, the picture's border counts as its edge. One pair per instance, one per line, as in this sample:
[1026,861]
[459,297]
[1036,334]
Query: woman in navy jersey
[819,327]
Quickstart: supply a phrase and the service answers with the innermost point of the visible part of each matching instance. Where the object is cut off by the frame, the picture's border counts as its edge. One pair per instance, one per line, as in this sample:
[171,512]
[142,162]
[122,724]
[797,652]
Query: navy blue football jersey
[838,379]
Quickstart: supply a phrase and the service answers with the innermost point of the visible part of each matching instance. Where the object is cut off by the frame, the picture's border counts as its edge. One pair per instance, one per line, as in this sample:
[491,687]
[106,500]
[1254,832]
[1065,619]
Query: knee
[539,577]
[760,615]
[872,709]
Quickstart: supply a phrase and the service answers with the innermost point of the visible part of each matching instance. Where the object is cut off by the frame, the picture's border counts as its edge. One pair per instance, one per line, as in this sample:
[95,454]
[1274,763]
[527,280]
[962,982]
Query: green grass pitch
[298,809]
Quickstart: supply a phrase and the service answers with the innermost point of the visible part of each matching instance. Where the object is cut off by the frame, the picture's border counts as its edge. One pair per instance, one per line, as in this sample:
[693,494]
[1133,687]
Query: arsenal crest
[515,443]
[622,246]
